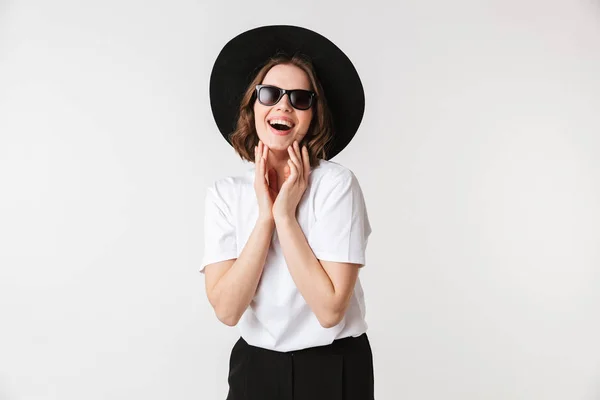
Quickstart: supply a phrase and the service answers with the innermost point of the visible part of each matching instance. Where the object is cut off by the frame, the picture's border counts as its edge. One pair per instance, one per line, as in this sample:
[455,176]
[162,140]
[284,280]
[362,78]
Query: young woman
[285,241]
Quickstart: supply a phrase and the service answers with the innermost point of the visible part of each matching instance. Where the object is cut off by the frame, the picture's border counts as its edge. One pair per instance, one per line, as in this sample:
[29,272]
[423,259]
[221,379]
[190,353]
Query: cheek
[259,116]
[260,112]
[306,120]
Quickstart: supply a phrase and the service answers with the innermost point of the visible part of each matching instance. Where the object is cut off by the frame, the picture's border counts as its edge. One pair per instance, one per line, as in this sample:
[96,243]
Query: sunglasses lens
[301,99]
[268,95]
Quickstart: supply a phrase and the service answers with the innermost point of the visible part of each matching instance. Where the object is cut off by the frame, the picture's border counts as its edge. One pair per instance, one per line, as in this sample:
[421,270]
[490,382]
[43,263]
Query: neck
[277,160]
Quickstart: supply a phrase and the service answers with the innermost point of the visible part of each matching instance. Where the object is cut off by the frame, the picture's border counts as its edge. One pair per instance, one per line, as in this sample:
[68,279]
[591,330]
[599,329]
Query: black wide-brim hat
[242,57]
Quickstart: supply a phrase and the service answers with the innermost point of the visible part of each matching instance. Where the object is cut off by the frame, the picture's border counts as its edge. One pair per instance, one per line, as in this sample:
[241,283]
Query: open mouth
[281,125]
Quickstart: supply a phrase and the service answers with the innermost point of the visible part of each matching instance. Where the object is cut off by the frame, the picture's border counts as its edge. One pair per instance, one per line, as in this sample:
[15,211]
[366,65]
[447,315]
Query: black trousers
[342,370]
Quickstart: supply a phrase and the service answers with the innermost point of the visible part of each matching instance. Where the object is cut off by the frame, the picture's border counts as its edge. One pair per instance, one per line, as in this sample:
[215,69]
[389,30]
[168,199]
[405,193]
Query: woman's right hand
[265,182]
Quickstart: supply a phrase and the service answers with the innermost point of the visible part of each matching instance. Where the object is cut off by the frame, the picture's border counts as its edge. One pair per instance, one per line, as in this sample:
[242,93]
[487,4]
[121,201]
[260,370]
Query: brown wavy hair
[320,131]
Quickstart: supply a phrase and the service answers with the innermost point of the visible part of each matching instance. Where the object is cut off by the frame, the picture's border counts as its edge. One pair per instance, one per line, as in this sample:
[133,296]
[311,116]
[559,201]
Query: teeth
[281,122]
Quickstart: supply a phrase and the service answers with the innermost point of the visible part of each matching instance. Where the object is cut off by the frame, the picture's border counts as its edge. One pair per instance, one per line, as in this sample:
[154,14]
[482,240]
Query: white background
[478,157]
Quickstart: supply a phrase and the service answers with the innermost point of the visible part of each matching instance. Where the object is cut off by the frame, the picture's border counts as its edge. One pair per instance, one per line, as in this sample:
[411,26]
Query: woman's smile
[280,125]
[280,132]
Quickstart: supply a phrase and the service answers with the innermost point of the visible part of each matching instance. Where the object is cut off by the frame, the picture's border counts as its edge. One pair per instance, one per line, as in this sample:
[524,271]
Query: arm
[231,284]
[326,286]
[339,233]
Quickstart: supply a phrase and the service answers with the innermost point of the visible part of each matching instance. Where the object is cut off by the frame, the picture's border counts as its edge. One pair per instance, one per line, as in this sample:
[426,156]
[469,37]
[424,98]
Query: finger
[294,157]
[258,150]
[300,164]
[257,163]
[265,155]
[301,158]
[263,166]
[293,171]
[286,171]
[297,150]
[265,171]
[306,160]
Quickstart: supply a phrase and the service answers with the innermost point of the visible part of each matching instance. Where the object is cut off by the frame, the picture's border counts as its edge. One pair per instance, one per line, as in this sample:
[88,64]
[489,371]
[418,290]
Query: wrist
[283,219]
[265,220]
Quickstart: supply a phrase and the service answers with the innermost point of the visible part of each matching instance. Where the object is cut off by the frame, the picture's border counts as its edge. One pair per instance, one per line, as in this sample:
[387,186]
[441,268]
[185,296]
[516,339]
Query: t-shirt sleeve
[341,230]
[220,242]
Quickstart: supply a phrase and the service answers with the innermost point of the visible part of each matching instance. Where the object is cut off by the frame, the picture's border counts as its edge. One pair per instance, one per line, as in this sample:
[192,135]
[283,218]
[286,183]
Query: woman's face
[284,76]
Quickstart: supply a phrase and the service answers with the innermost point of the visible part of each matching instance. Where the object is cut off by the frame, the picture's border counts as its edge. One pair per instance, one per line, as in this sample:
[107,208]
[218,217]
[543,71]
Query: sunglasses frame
[282,92]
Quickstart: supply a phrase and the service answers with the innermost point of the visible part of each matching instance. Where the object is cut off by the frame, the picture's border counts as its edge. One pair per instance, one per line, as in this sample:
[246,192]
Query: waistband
[338,346]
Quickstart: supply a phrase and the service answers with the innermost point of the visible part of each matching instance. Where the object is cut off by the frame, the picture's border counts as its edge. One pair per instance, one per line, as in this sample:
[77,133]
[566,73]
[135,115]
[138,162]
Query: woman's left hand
[294,186]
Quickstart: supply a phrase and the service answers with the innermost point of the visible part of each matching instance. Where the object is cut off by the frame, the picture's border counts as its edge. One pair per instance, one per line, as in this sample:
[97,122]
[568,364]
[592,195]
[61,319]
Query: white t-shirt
[333,217]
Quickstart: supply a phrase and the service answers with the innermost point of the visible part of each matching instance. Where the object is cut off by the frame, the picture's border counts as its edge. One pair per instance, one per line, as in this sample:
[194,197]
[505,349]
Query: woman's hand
[295,184]
[266,190]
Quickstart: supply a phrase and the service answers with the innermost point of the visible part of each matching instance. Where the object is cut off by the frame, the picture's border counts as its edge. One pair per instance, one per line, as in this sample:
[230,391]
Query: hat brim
[241,58]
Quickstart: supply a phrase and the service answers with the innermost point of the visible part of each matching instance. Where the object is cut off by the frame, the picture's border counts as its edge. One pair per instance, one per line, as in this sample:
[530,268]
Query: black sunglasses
[270,95]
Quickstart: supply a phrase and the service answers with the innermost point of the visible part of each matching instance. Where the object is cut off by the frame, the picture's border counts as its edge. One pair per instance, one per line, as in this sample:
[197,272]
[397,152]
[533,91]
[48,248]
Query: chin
[279,144]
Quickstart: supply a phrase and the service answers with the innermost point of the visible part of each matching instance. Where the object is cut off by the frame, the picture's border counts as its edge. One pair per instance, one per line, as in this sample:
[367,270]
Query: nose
[284,103]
